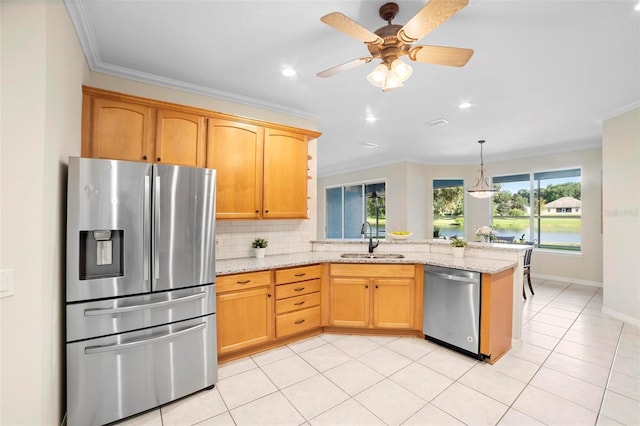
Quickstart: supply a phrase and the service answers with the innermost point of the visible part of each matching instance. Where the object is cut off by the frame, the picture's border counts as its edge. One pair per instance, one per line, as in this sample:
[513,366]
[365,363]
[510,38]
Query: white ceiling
[543,76]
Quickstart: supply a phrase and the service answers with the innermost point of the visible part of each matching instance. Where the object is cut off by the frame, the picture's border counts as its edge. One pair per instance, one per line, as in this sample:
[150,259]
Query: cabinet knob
[144,157]
[269,295]
[376,286]
[266,211]
[158,159]
[257,211]
[366,286]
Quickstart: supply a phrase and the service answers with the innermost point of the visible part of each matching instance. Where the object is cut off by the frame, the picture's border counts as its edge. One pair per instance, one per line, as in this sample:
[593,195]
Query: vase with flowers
[486,233]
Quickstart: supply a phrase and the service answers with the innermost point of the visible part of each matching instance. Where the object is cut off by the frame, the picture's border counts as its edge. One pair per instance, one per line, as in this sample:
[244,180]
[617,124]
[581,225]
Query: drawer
[297,289]
[298,302]
[226,283]
[301,273]
[295,322]
[372,271]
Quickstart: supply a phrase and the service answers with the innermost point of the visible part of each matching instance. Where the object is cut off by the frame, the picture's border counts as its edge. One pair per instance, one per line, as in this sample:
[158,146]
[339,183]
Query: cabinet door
[349,300]
[285,175]
[119,131]
[235,151]
[245,318]
[180,138]
[394,303]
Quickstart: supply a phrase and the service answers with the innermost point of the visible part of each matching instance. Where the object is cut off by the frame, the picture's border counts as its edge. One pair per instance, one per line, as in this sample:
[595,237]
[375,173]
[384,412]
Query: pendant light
[481,189]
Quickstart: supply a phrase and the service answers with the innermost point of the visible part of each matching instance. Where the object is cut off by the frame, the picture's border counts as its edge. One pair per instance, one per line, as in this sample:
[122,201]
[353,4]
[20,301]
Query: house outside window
[554,221]
[349,206]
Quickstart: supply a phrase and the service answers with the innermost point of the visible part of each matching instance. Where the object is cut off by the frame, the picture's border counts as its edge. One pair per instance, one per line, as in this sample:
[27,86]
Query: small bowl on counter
[399,235]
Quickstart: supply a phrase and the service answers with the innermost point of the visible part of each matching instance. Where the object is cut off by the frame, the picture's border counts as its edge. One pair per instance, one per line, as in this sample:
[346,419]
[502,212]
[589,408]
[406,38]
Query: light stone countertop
[470,263]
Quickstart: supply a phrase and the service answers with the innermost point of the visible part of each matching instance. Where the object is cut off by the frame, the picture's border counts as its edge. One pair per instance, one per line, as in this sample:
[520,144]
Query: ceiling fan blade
[350,27]
[429,18]
[440,55]
[343,67]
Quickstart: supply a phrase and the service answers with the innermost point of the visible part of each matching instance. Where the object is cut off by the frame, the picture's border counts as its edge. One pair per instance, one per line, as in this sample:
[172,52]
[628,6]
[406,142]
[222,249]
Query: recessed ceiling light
[289,72]
[371,119]
[369,145]
[637,6]
[439,122]
[464,105]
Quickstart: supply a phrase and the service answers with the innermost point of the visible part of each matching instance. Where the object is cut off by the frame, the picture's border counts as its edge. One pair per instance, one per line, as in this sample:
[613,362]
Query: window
[554,221]
[448,208]
[349,206]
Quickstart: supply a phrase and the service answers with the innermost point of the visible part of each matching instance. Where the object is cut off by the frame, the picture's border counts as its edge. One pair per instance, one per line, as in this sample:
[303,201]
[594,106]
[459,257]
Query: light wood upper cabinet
[235,151]
[262,172]
[180,138]
[262,168]
[285,175]
[117,130]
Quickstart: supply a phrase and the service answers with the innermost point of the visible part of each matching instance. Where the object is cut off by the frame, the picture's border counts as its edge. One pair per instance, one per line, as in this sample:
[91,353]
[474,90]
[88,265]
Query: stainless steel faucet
[363,231]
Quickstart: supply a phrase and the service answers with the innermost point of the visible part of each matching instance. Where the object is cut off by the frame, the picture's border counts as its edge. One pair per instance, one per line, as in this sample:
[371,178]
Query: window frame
[343,186]
[535,216]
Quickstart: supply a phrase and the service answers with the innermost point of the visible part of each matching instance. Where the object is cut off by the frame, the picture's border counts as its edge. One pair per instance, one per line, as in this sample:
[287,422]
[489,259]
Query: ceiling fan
[391,42]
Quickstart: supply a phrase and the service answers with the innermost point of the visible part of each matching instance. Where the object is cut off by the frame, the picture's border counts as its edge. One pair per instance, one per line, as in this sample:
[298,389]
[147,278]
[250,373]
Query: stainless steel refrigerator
[140,293]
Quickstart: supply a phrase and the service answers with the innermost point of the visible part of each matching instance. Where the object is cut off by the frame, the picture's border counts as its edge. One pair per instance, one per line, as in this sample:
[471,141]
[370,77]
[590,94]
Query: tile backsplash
[234,238]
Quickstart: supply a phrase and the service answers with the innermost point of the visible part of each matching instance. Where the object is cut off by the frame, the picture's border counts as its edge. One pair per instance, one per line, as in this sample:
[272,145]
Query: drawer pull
[243,282]
[299,303]
[301,275]
[299,321]
[298,289]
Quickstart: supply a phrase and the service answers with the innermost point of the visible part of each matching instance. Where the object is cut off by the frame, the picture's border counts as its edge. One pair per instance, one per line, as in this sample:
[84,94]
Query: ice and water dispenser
[101,254]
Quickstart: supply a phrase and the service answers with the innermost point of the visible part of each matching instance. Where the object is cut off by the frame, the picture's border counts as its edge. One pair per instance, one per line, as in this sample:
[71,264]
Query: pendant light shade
[482,188]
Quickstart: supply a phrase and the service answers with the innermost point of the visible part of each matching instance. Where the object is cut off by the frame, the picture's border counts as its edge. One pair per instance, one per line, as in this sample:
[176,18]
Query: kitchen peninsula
[282,298]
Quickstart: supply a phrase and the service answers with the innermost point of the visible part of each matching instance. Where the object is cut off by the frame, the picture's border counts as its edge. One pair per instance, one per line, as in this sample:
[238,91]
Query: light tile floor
[575,365]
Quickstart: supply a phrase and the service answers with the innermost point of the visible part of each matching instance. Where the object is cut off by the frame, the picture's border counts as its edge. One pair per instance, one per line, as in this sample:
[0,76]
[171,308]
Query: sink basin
[372,256]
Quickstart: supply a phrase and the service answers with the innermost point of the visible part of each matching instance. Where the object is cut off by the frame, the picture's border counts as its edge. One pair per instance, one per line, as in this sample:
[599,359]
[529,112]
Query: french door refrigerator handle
[146,227]
[104,311]
[156,228]
[110,348]
[453,277]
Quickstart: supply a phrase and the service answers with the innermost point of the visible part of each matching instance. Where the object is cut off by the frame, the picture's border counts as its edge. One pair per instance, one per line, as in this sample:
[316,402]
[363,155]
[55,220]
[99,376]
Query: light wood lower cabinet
[496,313]
[244,311]
[373,296]
[298,300]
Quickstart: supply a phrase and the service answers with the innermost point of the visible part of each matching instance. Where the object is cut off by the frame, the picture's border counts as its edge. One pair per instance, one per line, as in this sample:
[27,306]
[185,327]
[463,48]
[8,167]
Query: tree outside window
[448,208]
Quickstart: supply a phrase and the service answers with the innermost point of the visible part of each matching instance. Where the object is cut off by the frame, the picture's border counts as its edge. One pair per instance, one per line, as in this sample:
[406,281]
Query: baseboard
[622,317]
[567,280]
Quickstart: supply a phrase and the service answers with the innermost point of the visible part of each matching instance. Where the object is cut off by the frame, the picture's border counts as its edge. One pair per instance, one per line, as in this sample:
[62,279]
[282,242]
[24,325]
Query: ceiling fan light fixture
[401,70]
[481,189]
[378,76]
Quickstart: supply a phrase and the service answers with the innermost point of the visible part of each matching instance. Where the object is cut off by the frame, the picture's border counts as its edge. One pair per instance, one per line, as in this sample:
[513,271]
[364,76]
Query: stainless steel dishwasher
[452,308]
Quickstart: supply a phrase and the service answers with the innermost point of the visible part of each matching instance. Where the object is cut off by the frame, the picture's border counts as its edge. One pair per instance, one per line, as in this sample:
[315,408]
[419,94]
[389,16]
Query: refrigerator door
[113,377]
[86,320]
[183,233]
[108,223]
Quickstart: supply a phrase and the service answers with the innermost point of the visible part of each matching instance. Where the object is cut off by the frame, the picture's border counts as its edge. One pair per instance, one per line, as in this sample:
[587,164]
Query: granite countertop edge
[469,263]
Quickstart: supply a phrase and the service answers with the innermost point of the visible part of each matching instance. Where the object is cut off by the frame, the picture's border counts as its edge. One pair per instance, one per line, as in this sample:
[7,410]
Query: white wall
[621,222]
[410,201]
[42,70]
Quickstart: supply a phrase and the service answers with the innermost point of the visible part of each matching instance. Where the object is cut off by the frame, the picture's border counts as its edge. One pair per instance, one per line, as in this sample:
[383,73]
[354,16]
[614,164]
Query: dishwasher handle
[450,277]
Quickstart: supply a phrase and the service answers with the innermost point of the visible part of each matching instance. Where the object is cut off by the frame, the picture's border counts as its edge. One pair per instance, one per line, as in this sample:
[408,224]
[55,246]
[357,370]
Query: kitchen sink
[372,256]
